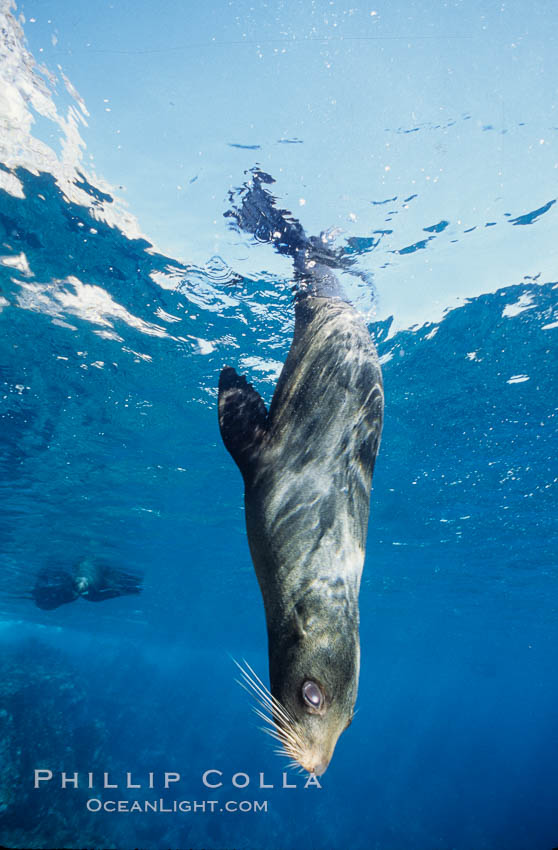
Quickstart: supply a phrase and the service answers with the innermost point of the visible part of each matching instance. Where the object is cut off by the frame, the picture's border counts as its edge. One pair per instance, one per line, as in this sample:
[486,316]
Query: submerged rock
[44,723]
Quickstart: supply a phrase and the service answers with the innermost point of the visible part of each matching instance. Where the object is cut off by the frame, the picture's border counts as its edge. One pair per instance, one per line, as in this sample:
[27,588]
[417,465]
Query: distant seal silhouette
[307,465]
[55,586]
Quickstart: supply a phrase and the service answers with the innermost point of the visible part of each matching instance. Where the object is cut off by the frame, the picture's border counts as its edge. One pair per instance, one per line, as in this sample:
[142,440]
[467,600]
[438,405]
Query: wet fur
[307,467]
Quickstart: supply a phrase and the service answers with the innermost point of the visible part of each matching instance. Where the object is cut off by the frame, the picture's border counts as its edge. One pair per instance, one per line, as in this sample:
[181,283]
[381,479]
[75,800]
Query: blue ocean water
[110,353]
[111,450]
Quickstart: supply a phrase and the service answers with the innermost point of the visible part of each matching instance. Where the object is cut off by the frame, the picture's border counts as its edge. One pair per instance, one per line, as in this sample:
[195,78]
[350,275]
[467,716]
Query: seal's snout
[316,756]
[317,767]
[321,768]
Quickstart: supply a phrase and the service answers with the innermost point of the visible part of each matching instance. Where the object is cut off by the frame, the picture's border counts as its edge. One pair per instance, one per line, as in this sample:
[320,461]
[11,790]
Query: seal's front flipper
[242,420]
[54,586]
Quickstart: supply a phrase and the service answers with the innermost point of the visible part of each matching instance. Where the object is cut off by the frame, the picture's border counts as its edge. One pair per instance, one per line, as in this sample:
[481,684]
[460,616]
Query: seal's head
[82,584]
[314,684]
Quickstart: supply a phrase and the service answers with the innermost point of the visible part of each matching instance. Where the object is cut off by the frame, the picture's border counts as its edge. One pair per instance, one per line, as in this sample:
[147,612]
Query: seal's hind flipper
[253,209]
[107,582]
[242,419]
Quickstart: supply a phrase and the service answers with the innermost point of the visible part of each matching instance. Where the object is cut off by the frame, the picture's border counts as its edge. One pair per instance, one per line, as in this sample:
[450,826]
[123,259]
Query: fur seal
[307,466]
[55,586]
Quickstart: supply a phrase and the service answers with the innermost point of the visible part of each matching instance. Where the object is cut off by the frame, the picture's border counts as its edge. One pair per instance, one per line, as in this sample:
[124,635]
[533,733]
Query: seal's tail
[253,210]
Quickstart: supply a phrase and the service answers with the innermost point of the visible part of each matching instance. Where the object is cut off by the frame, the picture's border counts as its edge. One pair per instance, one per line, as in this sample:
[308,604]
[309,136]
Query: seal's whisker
[255,682]
[257,685]
[279,708]
[284,739]
[285,730]
[249,688]
[271,734]
[273,723]
[262,696]
[265,717]
[283,735]
[274,707]
[290,748]
[281,725]
[258,688]
[252,689]
[288,737]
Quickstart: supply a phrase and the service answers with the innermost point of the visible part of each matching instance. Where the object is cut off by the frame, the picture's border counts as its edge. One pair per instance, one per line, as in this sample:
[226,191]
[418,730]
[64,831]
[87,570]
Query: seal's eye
[312,695]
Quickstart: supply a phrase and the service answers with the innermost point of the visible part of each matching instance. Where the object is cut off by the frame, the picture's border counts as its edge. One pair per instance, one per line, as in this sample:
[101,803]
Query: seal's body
[307,468]
[55,585]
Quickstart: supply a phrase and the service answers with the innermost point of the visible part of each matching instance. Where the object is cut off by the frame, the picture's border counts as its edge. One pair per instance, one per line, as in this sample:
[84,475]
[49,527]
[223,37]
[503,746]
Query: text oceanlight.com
[214,779]
[173,806]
